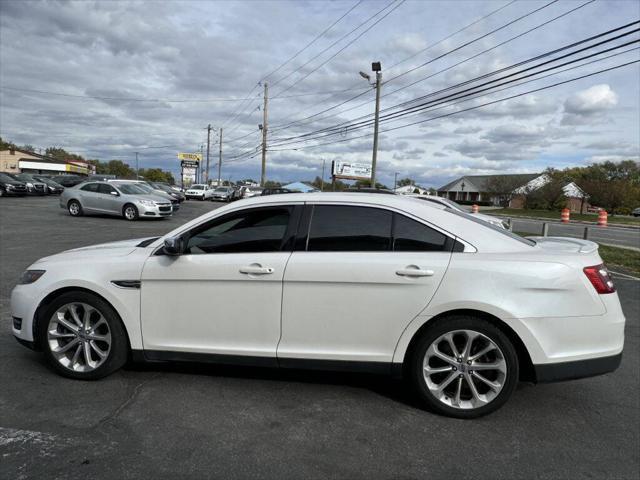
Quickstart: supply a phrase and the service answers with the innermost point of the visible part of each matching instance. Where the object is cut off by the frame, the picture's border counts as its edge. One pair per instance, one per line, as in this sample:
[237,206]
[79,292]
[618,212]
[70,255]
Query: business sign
[188,164]
[351,171]
[190,156]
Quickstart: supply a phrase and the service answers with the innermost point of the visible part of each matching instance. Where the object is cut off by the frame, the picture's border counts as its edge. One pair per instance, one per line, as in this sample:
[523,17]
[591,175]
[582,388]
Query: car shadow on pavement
[391,388]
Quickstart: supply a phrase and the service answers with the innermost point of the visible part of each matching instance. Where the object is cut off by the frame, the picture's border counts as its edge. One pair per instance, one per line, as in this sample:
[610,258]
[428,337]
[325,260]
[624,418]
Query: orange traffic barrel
[475,208]
[602,218]
[565,215]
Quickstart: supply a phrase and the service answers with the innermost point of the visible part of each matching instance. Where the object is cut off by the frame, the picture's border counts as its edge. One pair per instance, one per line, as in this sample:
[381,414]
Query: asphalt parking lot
[176,421]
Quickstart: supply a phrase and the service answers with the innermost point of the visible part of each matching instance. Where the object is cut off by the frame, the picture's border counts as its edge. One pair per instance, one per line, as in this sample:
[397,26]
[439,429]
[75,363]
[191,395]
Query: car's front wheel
[82,336]
[75,209]
[130,212]
[464,367]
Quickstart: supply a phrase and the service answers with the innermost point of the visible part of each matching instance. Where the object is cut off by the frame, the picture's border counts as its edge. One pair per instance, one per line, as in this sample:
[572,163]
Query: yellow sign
[190,156]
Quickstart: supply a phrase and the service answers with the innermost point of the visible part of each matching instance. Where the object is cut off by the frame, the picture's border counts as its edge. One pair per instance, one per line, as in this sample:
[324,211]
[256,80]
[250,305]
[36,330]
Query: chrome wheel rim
[74,208]
[464,369]
[79,337]
[130,213]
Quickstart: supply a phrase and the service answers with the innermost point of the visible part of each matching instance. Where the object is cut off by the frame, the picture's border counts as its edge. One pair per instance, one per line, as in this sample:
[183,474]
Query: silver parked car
[114,198]
[151,190]
[222,194]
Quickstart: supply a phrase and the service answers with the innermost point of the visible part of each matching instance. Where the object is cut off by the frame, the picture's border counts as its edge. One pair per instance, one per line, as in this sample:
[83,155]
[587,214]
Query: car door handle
[256,270]
[414,271]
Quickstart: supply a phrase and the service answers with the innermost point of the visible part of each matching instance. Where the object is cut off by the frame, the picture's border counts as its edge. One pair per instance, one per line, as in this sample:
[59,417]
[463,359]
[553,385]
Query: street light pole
[322,179]
[206,179]
[220,159]
[395,181]
[376,68]
[137,170]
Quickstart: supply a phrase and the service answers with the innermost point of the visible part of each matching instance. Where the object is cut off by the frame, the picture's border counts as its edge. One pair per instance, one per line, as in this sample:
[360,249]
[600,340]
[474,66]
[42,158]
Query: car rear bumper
[555,372]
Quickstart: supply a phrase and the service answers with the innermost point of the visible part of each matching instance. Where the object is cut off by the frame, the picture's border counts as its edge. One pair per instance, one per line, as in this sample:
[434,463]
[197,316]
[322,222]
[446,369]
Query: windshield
[24,177]
[130,188]
[197,187]
[6,178]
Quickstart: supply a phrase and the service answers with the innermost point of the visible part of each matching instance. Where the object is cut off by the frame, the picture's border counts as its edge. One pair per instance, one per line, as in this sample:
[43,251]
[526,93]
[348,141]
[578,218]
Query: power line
[470,108]
[316,38]
[396,6]
[349,124]
[458,95]
[281,127]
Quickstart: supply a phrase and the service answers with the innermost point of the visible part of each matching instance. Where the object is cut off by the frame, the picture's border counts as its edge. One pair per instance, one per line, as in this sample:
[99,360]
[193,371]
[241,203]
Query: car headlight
[147,203]
[9,187]
[30,185]
[30,276]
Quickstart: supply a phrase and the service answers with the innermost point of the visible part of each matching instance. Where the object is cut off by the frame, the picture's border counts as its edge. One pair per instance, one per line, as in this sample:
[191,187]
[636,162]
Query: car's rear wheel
[130,212]
[75,209]
[82,336]
[464,367]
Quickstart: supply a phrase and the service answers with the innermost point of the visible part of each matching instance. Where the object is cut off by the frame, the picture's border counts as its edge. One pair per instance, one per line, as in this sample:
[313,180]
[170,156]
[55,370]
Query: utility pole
[220,159]
[322,179]
[206,177]
[376,67]
[263,175]
[137,175]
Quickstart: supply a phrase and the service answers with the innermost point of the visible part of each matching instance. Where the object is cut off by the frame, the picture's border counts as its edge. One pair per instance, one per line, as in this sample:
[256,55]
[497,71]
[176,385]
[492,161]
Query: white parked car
[445,202]
[366,282]
[199,191]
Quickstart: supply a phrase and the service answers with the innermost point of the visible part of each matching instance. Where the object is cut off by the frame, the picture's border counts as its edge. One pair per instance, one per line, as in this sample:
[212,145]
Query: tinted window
[412,236]
[349,229]
[90,187]
[106,189]
[258,230]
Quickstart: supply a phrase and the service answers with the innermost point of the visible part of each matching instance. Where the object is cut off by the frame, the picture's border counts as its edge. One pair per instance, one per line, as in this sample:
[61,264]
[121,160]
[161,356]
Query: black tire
[74,208]
[130,212]
[452,324]
[119,348]
[1,192]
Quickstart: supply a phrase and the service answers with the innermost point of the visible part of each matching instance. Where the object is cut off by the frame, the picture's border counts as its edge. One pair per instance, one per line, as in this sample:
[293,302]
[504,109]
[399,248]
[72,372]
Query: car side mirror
[115,194]
[174,246]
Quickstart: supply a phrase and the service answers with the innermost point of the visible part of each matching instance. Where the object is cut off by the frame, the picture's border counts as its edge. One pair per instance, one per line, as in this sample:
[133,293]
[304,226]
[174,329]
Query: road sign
[350,170]
[190,156]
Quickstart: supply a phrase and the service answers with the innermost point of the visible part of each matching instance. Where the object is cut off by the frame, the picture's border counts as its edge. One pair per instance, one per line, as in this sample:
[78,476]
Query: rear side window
[412,236]
[106,189]
[90,187]
[337,228]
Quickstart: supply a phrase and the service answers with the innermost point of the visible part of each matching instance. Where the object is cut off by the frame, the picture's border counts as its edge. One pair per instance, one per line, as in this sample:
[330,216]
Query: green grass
[584,217]
[621,257]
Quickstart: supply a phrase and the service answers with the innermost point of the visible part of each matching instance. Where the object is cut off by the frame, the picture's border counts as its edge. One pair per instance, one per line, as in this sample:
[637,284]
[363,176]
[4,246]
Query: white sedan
[338,281]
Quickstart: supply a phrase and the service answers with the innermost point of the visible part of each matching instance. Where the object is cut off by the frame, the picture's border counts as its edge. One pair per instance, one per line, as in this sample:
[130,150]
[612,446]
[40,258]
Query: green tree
[5,145]
[28,148]
[272,184]
[403,182]
[157,175]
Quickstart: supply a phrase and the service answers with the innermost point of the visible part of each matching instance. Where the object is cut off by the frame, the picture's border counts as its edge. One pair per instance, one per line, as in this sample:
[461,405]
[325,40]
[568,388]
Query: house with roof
[475,188]
[577,199]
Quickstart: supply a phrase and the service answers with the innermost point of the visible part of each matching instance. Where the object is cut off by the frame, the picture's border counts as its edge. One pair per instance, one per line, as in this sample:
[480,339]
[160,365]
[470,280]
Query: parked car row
[20,184]
[201,191]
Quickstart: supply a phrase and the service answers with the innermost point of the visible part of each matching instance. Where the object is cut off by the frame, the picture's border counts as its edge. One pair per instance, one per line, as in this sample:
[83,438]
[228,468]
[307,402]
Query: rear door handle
[414,271]
[256,269]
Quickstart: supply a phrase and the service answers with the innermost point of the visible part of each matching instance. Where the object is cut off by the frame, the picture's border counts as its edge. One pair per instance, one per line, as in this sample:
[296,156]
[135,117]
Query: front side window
[247,231]
[412,236]
[130,189]
[338,228]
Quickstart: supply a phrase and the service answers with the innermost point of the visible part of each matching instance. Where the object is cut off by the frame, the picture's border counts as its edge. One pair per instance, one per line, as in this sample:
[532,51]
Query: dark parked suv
[68,180]
[11,186]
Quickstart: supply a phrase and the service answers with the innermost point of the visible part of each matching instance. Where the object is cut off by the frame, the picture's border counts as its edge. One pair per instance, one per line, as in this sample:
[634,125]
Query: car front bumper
[155,211]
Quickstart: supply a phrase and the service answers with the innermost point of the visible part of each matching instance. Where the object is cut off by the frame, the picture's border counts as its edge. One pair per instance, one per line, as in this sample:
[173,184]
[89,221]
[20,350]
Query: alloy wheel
[464,369]
[79,337]
[74,208]
[130,213]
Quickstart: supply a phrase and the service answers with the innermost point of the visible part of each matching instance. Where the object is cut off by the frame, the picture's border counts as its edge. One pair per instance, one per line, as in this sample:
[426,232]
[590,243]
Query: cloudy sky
[106,79]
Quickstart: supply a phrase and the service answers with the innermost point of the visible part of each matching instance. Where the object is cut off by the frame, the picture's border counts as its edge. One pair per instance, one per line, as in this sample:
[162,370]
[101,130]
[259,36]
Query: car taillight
[599,277]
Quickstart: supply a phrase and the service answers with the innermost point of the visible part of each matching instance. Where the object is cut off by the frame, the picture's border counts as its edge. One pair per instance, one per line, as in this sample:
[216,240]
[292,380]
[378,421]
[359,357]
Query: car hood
[152,197]
[15,184]
[119,248]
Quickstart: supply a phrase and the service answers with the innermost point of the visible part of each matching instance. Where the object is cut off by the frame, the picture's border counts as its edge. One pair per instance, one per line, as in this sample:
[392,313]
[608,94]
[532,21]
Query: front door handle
[256,269]
[414,271]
